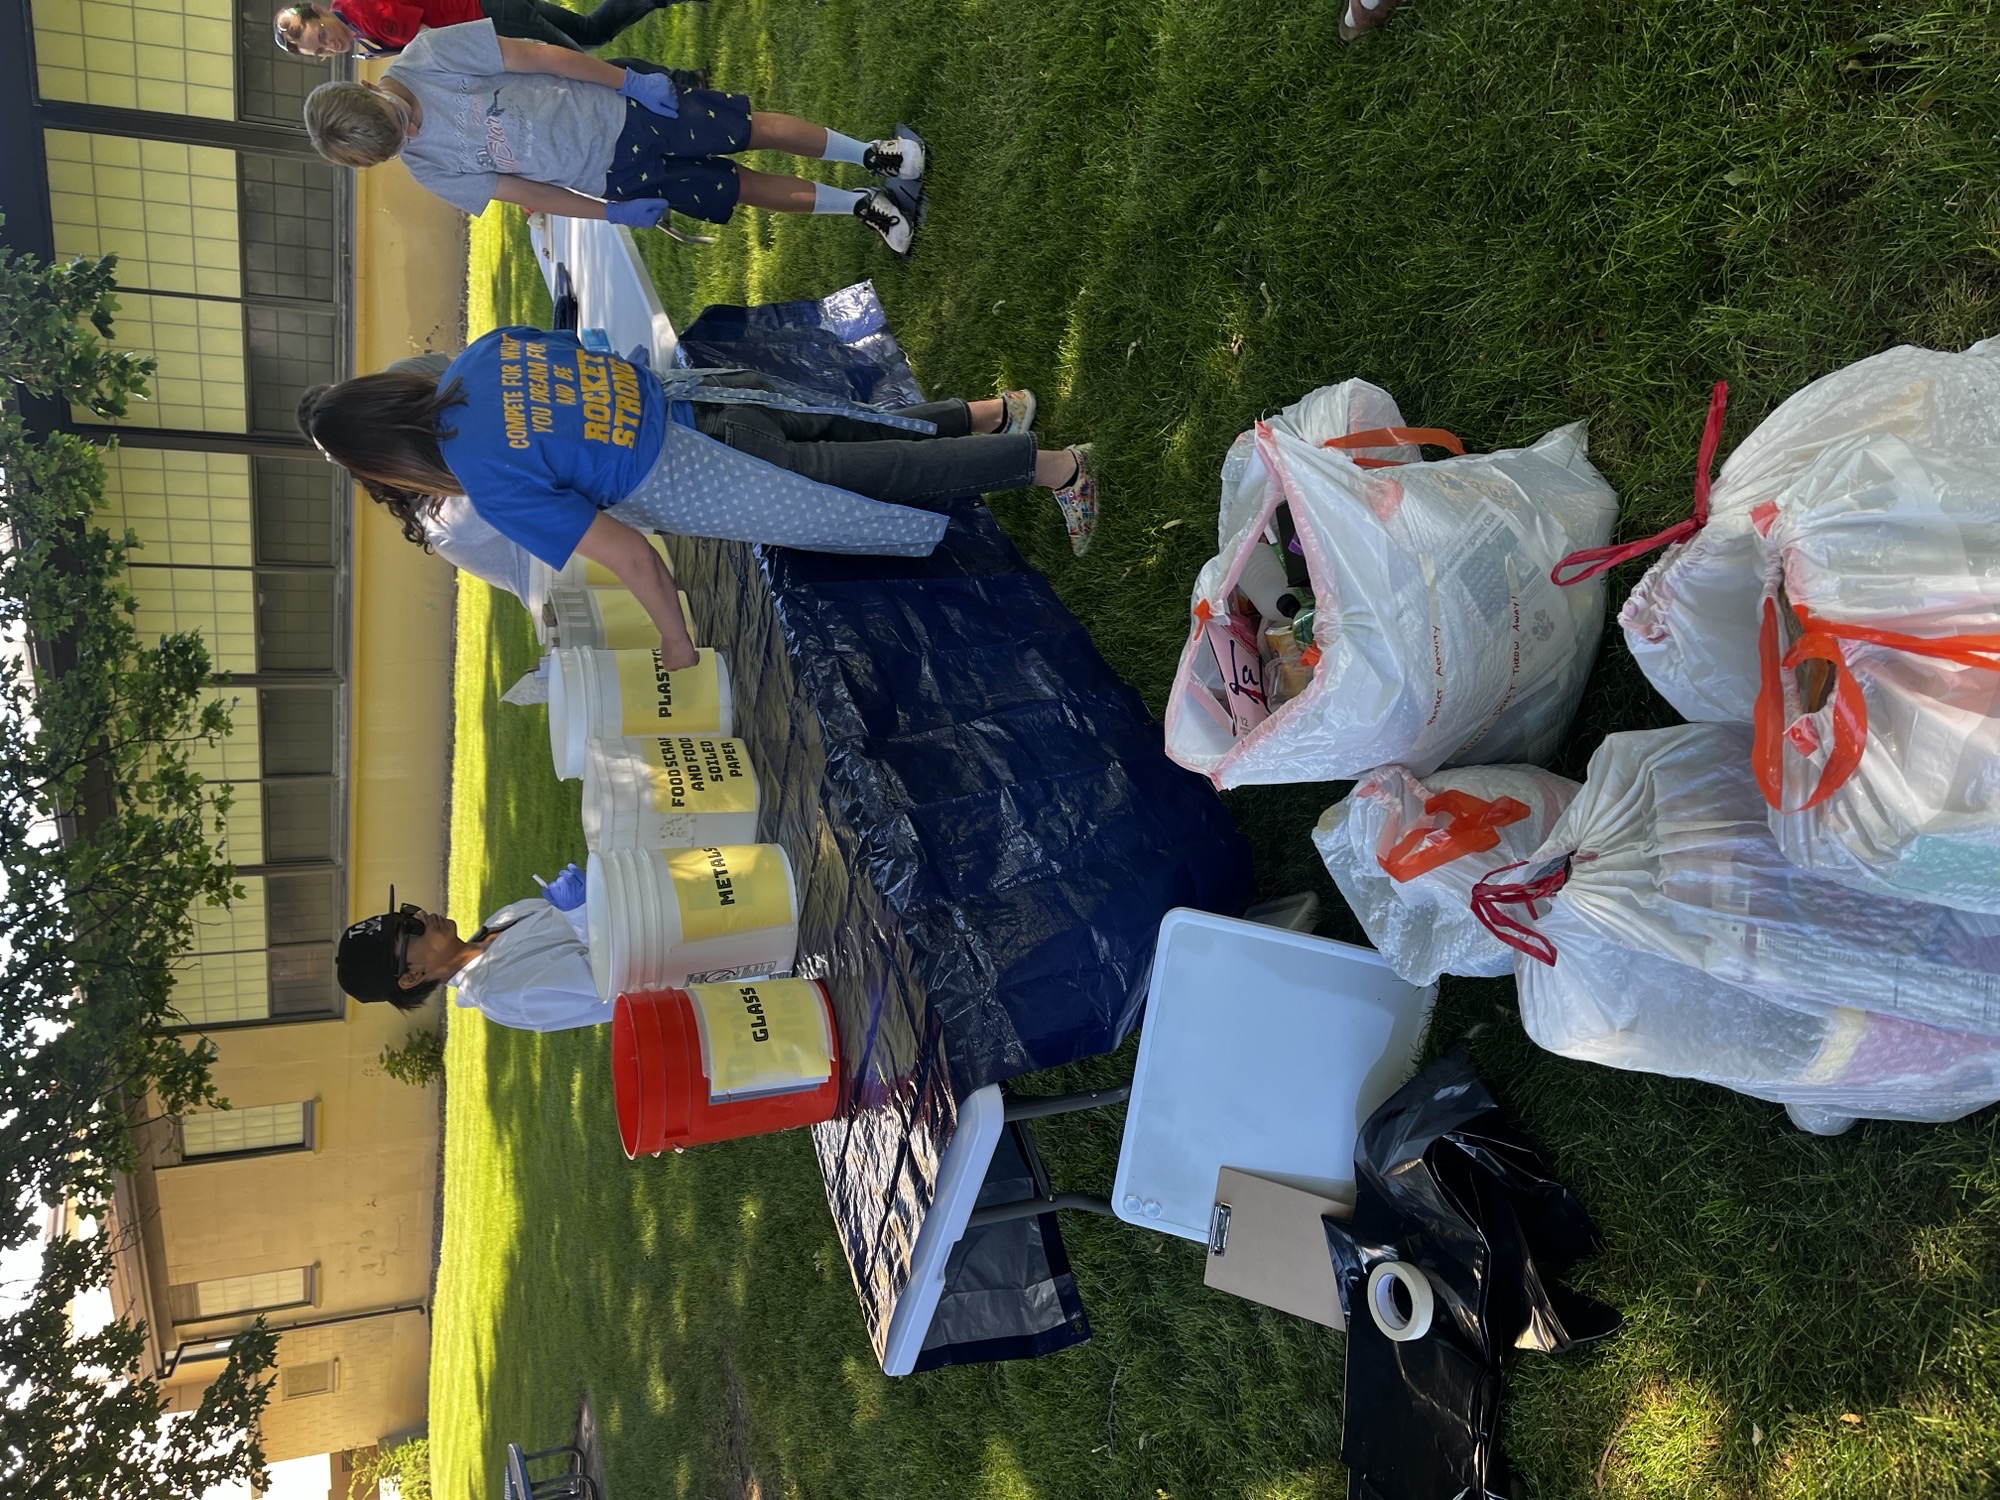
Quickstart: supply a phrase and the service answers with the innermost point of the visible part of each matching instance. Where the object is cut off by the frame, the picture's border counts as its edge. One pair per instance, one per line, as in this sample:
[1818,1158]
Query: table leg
[1035,1106]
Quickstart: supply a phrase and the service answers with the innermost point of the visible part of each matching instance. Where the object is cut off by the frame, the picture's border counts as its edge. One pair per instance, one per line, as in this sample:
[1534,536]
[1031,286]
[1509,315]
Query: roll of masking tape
[1400,1300]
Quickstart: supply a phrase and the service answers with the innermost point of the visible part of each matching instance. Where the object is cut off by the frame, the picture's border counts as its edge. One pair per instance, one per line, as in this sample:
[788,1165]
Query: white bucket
[577,573]
[665,791]
[601,619]
[660,917]
[607,695]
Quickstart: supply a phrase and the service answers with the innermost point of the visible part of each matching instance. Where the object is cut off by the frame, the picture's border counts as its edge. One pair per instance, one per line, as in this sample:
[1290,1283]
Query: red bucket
[665,1098]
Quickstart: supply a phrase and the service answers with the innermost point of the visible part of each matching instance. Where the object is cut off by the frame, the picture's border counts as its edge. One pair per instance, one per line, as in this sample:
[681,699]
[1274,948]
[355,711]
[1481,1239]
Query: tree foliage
[77,1422]
[408,1463]
[96,734]
[110,841]
[419,1061]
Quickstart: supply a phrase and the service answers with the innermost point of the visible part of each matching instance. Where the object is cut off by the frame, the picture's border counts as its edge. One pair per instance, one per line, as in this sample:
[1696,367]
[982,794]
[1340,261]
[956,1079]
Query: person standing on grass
[527,966]
[379,28]
[564,450]
[476,116]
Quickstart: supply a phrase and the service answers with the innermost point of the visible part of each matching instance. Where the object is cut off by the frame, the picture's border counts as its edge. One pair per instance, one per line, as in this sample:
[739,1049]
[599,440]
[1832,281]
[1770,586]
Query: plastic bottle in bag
[1441,636]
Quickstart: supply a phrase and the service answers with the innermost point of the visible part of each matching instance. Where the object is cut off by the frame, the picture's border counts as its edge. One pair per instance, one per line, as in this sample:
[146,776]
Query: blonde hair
[350,126]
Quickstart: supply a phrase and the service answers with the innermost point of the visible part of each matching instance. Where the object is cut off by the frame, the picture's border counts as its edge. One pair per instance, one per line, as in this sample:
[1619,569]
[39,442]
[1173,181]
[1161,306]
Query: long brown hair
[383,429]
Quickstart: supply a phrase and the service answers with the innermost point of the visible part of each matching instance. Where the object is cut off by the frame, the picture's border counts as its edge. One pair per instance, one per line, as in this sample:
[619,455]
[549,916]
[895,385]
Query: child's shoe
[1018,412]
[1078,500]
[899,157]
[878,211]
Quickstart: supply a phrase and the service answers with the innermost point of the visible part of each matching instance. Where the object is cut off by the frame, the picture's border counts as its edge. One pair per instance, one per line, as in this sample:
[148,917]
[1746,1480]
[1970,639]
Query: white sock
[843,148]
[835,200]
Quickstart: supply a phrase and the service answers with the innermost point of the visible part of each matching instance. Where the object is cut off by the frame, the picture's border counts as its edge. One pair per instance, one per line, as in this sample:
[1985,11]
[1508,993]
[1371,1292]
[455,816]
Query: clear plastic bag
[1691,621]
[1406,854]
[1660,929]
[1878,720]
[1440,635]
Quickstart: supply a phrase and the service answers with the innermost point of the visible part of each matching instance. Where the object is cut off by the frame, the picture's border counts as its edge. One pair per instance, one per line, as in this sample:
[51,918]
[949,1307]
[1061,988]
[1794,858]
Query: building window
[316,1379]
[271,86]
[226,1297]
[127,54]
[254,1130]
[269,957]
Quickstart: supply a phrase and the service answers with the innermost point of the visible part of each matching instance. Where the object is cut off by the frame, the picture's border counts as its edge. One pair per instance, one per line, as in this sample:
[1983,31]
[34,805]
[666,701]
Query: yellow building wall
[410,296]
[359,1208]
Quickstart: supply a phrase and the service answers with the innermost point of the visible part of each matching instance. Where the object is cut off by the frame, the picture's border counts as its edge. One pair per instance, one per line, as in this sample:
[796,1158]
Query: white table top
[960,1176]
[614,290]
[1264,1050]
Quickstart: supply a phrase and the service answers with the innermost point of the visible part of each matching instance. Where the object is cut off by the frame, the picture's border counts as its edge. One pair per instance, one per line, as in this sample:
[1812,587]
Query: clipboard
[1266,1244]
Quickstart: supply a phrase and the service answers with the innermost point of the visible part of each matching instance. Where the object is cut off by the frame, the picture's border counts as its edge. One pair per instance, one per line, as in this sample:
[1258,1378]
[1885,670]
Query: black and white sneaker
[878,211]
[899,157]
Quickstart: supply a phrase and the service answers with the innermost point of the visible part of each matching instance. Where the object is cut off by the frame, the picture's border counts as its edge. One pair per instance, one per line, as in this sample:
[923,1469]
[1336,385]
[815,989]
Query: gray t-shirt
[481,122]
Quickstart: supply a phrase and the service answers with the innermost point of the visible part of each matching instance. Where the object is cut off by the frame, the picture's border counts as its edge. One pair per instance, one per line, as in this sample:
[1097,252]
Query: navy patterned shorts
[676,159]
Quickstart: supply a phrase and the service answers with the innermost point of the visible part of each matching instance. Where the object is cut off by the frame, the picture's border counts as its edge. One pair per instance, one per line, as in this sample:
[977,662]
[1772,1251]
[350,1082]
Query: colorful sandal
[1018,412]
[1078,500]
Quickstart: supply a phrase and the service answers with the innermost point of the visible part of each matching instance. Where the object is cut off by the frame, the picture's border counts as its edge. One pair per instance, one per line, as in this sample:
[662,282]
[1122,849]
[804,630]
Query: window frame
[187,1294]
[176,1145]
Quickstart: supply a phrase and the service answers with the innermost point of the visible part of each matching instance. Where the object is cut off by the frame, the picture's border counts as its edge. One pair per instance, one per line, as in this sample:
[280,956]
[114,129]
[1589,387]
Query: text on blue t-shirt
[550,434]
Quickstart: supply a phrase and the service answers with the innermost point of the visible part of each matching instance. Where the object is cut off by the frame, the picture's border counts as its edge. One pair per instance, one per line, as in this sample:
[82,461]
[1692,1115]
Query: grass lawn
[1169,216]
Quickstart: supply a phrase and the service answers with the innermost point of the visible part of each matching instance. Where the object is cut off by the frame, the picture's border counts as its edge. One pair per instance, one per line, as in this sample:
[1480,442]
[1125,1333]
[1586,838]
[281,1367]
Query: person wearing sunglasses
[381,28]
[526,967]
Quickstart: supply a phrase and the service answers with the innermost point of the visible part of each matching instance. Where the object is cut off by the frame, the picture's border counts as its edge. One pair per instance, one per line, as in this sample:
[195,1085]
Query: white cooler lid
[1263,1050]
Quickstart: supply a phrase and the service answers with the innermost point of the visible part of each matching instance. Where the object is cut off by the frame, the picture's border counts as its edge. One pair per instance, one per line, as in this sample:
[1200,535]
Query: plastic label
[763,1036]
[726,892]
[652,698]
[701,775]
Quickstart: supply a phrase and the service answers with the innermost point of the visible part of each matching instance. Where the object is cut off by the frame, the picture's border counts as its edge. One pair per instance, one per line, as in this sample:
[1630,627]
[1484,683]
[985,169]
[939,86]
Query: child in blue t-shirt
[476,116]
[562,449]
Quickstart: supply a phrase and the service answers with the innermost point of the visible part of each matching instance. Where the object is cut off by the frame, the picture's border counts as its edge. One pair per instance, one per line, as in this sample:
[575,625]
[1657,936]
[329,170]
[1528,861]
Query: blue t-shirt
[550,434]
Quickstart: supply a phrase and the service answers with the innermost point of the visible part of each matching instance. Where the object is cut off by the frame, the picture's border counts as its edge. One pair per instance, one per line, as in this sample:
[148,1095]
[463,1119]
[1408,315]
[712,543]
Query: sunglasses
[409,921]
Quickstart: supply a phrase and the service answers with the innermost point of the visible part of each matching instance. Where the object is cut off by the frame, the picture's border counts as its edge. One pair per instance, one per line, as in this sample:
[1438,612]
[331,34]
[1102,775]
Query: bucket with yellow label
[577,573]
[660,791]
[713,1062]
[603,619]
[608,695]
[706,913]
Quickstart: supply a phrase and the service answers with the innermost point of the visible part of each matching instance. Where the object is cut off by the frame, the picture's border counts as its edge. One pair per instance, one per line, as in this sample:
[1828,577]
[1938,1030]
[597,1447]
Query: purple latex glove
[654,91]
[638,213]
[565,892]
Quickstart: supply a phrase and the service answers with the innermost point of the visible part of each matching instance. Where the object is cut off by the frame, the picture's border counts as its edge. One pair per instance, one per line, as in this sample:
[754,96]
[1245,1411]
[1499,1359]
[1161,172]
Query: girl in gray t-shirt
[476,116]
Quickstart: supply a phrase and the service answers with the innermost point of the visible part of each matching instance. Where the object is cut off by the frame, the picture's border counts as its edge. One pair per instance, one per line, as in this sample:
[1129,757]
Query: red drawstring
[1590,561]
[1490,900]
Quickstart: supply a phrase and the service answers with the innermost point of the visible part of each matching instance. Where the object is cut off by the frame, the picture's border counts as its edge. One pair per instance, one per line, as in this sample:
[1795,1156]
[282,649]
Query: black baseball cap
[370,959]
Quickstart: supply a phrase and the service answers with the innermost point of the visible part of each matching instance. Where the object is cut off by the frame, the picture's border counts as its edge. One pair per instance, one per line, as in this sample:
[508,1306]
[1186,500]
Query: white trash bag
[1661,930]
[1406,854]
[1691,622]
[1878,724]
[1440,636]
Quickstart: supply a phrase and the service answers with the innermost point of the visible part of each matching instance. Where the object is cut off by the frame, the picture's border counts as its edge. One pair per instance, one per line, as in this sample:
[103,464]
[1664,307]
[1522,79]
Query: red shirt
[391,24]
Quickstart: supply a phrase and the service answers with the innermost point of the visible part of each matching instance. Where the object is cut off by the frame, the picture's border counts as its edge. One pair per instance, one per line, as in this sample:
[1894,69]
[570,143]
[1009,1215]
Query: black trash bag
[1008,1289]
[838,345]
[1444,1184]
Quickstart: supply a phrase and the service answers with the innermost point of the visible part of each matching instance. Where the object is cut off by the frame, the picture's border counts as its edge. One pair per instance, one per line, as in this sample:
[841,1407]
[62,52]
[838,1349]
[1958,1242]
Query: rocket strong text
[532,384]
